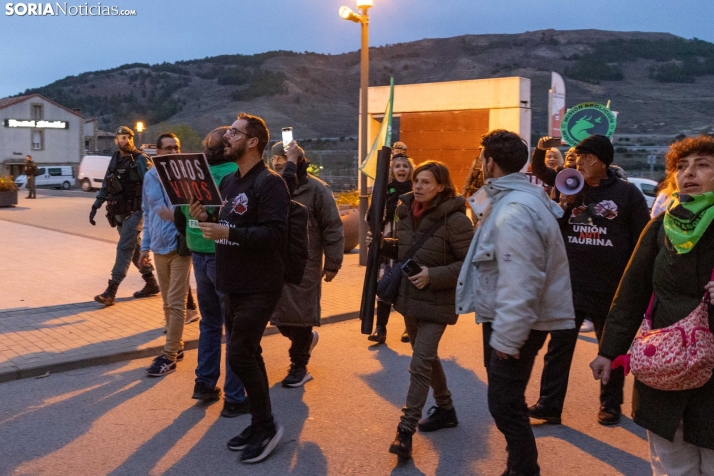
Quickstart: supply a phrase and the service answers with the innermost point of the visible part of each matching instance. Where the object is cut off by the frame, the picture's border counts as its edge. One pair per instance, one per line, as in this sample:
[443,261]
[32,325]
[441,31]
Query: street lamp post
[363,19]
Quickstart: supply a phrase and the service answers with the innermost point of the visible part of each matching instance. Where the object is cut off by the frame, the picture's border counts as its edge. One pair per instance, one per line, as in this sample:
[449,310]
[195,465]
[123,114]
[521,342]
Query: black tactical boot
[150,288]
[107,297]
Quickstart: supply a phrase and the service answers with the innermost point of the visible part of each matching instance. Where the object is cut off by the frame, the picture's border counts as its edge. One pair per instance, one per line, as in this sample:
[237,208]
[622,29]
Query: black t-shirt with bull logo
[600,230]
[251,259]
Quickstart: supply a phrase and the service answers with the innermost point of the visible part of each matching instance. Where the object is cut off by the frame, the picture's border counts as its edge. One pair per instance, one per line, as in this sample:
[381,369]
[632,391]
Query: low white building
[34,125]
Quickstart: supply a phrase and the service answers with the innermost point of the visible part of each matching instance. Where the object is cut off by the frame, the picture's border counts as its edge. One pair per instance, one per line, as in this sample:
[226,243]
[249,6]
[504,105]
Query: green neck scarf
[687,218]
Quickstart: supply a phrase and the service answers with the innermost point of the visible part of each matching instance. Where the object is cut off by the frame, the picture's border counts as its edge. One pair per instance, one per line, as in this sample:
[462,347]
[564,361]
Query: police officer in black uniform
[121,190]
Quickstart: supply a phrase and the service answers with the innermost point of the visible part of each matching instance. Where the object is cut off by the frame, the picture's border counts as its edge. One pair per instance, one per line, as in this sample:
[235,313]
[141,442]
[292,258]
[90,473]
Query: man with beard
[299,307]
[121,189]
[250,233]
[515,277]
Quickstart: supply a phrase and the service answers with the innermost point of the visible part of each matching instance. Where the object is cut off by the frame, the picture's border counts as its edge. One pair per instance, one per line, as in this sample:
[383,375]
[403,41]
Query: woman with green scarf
[674,259]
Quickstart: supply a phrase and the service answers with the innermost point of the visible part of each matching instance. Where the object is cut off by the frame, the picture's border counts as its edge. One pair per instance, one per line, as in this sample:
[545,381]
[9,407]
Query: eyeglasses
[233,131]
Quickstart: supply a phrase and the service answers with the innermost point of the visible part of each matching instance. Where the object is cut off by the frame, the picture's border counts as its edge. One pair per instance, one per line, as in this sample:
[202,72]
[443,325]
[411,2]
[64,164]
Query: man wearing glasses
[121,189]
[600,228]
[250,233]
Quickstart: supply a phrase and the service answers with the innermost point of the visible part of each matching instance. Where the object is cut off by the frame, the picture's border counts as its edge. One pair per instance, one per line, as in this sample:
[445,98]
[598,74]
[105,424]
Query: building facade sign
[32,124]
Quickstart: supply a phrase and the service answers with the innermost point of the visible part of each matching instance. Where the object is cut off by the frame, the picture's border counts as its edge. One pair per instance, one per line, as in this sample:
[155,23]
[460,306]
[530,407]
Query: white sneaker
[191,316]
[315,338]
[587,326]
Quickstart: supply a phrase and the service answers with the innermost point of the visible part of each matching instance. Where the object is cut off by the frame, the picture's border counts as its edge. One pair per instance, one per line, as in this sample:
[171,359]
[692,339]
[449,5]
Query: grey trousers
[129,246]
[426,371]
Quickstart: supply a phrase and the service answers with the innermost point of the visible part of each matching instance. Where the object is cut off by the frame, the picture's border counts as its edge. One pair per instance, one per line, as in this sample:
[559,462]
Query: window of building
[37,140]
[36,112]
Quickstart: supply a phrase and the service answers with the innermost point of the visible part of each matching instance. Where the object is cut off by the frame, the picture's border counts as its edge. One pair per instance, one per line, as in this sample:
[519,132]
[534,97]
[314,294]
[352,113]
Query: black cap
[598,145]
[124,130]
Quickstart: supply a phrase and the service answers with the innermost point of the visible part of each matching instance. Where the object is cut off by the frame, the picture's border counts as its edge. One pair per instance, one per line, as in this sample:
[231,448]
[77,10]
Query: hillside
[659,83]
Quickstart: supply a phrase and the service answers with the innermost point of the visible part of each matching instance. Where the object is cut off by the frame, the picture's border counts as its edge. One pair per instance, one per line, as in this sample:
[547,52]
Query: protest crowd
[531,260]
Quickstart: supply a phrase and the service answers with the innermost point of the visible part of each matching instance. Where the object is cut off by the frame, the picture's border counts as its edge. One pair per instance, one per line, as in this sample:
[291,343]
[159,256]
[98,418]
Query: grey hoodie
[516,272]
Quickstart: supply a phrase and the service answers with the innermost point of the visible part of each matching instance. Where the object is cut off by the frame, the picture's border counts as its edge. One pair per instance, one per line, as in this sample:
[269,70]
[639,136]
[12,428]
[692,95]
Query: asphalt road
[114,420]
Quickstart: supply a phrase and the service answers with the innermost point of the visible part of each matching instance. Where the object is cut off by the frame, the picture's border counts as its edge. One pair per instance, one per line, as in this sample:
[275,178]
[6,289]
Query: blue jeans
[210,302]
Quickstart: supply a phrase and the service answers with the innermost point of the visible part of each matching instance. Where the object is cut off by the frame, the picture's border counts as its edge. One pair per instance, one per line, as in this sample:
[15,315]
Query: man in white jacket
[516,278]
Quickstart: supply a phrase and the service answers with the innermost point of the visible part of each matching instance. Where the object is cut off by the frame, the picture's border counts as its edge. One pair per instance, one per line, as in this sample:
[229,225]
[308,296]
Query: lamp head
[365,3]
[139,127]
[347,14]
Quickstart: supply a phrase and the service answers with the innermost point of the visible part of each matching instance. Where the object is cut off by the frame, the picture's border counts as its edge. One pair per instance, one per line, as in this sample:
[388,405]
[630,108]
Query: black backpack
[295,253]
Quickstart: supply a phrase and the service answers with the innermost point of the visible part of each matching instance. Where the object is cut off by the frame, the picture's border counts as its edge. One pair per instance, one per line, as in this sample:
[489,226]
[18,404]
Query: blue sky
[40,49]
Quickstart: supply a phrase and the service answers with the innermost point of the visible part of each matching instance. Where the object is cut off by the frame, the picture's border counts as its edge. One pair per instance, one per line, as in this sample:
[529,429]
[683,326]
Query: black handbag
[388,286]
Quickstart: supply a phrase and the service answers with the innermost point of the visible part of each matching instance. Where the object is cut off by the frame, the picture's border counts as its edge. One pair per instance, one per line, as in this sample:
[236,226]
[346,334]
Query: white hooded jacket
[516,272]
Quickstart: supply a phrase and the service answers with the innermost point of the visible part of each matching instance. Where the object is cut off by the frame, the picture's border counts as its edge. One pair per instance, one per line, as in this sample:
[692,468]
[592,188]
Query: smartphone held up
[287,137]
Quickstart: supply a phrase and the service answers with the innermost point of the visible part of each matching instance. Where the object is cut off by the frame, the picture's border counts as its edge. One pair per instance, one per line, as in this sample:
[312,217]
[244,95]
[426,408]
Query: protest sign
[586,119]
[186,175]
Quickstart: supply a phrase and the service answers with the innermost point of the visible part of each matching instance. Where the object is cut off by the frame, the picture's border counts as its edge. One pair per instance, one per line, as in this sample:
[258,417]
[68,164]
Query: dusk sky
[38,50]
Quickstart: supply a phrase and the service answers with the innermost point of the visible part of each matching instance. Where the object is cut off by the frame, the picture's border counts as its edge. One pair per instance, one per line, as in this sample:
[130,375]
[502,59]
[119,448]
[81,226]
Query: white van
[92,170]
[60,176]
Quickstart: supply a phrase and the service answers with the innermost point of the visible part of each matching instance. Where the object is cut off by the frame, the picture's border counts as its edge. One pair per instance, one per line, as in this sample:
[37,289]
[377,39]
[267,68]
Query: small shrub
[7,183]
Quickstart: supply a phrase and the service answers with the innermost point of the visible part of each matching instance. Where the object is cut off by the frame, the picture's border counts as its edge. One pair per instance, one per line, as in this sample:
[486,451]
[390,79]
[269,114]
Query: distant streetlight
[140,130]
[347,14]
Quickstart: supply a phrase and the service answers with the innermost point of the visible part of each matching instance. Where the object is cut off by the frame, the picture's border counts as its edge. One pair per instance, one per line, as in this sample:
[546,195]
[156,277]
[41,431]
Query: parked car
[58,177]
[647,187]
[92,170]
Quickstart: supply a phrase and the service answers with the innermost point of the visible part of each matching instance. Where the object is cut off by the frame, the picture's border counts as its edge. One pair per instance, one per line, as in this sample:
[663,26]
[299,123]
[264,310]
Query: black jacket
[600,230]
[678,282]
[251,259]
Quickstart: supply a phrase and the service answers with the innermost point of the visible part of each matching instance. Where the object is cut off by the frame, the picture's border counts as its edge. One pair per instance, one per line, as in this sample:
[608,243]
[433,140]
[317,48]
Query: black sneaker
[609,416]
[405,336]
[201,391]
[233,409]
[161,366]
[539,412]
[297,377]
[238,443]
[260,446]
[179,356]
[402,444]
[438,418]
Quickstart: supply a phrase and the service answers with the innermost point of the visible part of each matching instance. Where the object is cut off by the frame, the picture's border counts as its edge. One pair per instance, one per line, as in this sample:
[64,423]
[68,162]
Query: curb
[74,364]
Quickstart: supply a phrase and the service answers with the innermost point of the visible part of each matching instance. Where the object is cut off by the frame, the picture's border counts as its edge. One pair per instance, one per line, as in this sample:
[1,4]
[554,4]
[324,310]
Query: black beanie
[598,145]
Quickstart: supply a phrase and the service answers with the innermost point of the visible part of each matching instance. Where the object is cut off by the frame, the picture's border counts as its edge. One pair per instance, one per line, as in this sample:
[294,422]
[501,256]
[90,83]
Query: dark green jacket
[678,282]
[443,253]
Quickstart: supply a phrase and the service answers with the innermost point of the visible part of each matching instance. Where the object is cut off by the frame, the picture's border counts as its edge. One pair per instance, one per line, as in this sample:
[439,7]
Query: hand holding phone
[411,268]
[546,143]
[287,137]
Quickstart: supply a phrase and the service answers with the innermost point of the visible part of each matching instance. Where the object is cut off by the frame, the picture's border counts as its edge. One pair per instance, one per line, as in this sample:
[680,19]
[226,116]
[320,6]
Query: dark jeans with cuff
[129,246]
[300,340]
[210,302]
[507,381]
[247,316]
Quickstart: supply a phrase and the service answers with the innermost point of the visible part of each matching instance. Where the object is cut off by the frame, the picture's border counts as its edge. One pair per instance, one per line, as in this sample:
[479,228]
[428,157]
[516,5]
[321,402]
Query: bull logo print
[240,204]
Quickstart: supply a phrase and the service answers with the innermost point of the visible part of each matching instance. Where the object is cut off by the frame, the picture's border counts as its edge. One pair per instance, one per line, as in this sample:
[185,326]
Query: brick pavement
[48,321]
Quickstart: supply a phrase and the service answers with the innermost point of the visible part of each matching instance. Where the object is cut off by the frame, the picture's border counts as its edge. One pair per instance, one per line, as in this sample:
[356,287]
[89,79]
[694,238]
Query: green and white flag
[384,138]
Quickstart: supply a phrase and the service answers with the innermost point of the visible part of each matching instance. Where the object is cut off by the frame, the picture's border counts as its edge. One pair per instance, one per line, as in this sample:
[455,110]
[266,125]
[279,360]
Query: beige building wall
[508,101]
